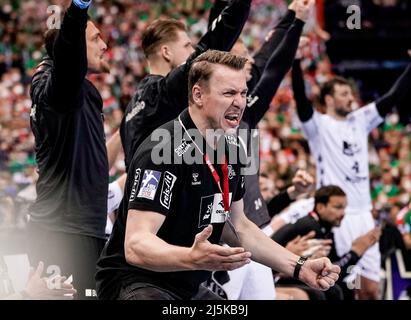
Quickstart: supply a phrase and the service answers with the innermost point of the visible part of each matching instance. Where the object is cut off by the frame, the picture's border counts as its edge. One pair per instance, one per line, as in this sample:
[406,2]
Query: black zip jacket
[67,123]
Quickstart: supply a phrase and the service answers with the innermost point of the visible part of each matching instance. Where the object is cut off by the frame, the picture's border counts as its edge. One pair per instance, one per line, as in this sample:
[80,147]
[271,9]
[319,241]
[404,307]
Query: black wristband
[298,266]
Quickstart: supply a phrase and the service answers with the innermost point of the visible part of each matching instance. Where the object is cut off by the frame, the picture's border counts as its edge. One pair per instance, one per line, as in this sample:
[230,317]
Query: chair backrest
[398,277]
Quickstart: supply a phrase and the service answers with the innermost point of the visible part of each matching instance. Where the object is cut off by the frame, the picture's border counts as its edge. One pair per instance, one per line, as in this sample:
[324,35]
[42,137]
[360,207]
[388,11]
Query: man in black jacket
[162,95]
[164,244]
[67,220]
[329,205]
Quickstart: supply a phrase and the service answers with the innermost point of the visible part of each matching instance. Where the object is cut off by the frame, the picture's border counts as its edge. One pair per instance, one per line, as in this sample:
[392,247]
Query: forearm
[70,55]
[304,108]
[266,251]
[148,251]
[226,29]
[396,94]
[216,10]
[114,147]
[277,67]
[272,43]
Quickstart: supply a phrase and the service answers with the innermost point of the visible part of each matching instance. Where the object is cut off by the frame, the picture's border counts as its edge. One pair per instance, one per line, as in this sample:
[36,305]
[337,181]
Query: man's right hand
[362,243]
[212,257]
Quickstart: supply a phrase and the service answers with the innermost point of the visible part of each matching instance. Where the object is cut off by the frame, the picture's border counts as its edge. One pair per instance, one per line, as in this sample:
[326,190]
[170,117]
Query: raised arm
[305,110]
[278,65]
[69,58]
[272,41]
[226,28]
[216,9]
[398,92]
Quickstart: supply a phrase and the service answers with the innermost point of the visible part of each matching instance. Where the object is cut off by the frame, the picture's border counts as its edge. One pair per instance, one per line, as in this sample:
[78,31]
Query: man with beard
[339,143]
[67,220]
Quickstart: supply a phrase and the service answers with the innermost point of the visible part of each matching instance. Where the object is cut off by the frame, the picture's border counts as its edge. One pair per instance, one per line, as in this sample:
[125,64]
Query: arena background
[372,56]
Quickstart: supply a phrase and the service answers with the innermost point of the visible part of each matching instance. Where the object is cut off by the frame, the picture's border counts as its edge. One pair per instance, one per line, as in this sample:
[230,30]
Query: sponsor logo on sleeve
[169,180]
[135,184]
[149,184]
[138,106]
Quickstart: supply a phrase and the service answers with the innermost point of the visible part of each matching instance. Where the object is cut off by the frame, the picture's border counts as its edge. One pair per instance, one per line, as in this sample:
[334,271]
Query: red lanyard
[225,191]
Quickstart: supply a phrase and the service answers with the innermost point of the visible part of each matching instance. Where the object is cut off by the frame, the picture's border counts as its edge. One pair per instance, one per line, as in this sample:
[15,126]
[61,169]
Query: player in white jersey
[338,141]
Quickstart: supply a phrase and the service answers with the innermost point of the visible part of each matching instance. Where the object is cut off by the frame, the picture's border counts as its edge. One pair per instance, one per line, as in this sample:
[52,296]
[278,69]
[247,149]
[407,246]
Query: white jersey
[340,149]
[297,210]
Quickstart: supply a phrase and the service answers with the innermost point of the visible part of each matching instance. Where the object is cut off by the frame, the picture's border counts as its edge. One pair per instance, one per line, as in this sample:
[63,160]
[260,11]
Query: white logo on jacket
[195,181]
[140,105]
[182,148]
[231,172]
[135,184]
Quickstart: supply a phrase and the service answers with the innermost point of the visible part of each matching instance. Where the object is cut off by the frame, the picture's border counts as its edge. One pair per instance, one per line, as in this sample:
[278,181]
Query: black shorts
[69,254]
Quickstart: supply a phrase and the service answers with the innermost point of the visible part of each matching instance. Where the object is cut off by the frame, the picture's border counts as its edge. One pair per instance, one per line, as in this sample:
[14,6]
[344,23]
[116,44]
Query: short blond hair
[202,67]
[159,32]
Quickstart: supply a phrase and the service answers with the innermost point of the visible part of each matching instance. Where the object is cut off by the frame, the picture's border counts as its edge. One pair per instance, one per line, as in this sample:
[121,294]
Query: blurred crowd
[282,147]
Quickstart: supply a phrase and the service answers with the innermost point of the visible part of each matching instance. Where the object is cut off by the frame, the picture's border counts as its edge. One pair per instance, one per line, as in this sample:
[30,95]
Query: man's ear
[319,207]
[197,95]
[166,53]
[329,101]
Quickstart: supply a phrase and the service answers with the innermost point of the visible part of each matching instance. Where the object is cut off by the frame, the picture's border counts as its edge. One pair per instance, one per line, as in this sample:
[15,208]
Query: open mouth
[233,119]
